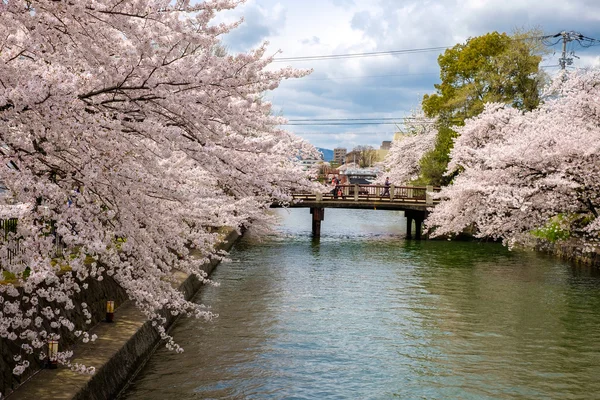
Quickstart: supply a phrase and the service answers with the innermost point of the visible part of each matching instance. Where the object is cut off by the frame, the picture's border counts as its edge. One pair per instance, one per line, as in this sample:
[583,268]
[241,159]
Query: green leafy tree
[494,67]
[434,162]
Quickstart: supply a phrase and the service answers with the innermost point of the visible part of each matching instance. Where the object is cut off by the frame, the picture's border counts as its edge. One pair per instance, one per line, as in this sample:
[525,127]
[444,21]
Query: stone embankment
[569,250]
[121,349]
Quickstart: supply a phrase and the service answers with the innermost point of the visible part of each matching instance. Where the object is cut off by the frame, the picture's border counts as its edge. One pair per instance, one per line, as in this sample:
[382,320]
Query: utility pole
[568,37]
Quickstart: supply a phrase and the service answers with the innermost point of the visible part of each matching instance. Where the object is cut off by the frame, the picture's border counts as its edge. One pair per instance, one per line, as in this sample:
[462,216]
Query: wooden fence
[410,194]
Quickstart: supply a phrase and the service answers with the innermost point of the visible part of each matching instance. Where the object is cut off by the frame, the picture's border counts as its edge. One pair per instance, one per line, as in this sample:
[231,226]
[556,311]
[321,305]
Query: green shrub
[556,229]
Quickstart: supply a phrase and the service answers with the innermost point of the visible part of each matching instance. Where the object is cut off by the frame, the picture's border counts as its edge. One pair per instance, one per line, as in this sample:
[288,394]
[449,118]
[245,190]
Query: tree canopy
[494,67]
[403,160]
[133,135]
[365,156]
[529,174]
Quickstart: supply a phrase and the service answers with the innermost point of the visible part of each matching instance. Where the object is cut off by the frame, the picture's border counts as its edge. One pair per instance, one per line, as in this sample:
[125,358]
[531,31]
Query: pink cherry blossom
[521,171]
[130,135]
[402,161]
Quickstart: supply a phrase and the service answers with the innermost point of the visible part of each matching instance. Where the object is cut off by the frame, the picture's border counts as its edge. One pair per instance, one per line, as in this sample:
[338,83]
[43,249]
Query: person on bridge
[335,182]
[386,190]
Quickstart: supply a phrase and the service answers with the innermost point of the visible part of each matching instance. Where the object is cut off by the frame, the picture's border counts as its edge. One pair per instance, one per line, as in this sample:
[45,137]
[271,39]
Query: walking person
[386,189]
[335,182]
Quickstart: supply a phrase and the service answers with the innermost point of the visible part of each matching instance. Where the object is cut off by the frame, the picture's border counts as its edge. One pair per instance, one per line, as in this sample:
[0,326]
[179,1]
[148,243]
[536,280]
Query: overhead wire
[357,121]
[546,40]
[396,52]
[353,119]
[350,123]
[359,55]
[365,76]
[369,134]
[302,80]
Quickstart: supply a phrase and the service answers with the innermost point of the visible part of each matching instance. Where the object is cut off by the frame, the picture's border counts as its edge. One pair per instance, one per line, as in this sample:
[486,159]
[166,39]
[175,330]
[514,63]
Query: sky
[386,86]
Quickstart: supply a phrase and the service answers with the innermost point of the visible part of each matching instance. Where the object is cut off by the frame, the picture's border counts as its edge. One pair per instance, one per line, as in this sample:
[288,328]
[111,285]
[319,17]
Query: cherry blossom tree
[130,135]
[523,173]
[402,163]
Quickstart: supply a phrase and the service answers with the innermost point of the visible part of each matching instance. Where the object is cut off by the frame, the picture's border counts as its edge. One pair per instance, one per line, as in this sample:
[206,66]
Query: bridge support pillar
[418,217]
[318,215]
[418,228]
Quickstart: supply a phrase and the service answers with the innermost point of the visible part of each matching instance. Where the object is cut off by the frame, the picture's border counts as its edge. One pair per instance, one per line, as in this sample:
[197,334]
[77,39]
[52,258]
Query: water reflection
[364,314]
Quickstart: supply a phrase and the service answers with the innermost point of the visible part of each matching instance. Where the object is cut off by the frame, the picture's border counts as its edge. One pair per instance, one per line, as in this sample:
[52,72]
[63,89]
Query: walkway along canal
[363,314]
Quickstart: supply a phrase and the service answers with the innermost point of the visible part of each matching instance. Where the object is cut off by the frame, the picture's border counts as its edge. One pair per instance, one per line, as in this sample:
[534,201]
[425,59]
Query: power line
[567,38]
[343,123]
[393,52]
[364,76]
[351,119]
[359,121]
[360,55]
[361,134]
[356,123]
[381,76]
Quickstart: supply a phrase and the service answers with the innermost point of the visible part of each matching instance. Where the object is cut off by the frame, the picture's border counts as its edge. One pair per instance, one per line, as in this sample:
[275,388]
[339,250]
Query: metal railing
[9,228]
[13,243]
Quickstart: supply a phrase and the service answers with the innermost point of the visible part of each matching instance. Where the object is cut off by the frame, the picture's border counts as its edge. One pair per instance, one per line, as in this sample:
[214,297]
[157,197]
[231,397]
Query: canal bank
[122,347]
[571,251]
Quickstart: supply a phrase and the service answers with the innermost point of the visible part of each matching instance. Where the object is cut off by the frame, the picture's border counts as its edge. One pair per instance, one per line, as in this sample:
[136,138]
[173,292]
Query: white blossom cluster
[402,161]
[521,171]
[82,369]
[131,136]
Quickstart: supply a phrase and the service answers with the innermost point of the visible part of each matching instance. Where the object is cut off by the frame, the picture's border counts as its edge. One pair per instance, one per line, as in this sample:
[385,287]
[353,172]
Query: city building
[309,163]
[339,155]
[383,150]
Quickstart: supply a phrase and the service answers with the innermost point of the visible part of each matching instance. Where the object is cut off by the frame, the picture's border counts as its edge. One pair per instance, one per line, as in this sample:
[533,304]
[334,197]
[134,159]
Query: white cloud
[391,85]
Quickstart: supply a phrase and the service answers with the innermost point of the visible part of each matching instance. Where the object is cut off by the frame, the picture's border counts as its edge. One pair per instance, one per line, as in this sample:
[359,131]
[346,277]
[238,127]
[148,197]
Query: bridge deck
[369,197]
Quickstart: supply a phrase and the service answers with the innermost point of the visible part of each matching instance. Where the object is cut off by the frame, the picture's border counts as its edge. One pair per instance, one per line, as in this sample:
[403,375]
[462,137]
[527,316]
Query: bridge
[413,200]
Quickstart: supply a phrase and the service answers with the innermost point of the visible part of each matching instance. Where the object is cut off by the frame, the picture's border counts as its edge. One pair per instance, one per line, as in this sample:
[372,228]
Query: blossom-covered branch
[403,159]
[129,137]
[522,172]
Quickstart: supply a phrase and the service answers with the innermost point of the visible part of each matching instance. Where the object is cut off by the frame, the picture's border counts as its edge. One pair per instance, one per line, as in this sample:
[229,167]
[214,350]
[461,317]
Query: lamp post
[52,354]
[110,310]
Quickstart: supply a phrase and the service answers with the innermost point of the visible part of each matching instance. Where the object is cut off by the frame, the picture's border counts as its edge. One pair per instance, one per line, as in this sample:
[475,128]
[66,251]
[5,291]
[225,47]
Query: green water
[364,314]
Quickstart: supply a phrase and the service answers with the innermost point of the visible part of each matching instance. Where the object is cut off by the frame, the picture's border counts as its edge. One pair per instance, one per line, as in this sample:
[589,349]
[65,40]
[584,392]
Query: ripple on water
[363,314]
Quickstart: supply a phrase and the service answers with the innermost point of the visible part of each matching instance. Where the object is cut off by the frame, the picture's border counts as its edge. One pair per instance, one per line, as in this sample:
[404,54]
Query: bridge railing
[416,194]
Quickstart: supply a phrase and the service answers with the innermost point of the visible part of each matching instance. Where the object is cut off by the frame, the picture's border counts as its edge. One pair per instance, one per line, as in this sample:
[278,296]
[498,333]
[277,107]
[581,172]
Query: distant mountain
[327,154]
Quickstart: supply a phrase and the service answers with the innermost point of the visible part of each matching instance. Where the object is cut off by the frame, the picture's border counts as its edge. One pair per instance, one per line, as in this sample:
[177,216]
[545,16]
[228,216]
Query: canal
[364,314]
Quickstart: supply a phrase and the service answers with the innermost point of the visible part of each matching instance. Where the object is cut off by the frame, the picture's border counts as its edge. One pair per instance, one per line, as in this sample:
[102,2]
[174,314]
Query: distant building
[309,163]
[361,176]
[339,155]
[383,150]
